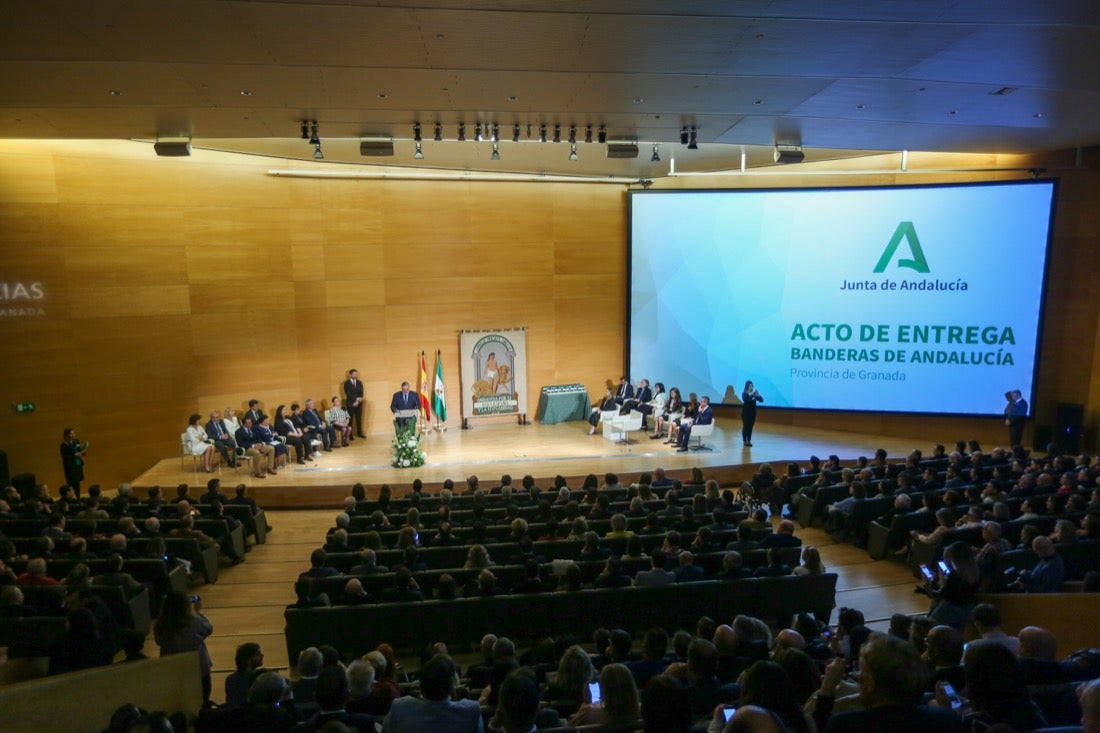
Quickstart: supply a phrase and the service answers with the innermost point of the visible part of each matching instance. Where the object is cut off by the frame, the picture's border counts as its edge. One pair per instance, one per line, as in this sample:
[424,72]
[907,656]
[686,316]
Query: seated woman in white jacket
[198,443]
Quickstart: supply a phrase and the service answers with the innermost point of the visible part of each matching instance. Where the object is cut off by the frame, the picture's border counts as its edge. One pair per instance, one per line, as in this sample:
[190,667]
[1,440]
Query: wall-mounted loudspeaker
[376,148]
[622,150]
[172,149]
[788,154]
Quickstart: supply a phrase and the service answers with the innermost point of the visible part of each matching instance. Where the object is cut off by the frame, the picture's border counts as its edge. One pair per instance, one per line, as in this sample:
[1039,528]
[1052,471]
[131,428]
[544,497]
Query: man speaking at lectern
[405,405]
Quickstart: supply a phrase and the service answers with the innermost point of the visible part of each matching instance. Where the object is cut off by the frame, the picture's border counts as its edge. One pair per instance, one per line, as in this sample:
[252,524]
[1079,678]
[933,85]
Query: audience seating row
[356,630]
[157,571]
[454,556]
[509,575]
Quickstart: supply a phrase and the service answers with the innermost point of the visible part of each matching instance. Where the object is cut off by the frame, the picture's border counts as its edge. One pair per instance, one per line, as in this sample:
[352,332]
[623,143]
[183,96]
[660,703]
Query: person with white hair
[360,684]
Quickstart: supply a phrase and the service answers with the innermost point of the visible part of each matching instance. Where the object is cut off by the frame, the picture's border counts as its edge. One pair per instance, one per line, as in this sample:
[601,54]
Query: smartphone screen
[948,690]
[943,568]
[926,572]
[594,691]
[728,712]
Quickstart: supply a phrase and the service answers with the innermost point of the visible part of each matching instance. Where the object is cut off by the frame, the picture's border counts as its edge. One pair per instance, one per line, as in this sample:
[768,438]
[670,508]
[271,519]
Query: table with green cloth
[563,402]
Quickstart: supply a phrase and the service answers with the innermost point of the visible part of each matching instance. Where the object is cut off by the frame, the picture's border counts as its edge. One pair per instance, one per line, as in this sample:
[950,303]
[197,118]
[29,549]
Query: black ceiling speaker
[622,150]
[172,148]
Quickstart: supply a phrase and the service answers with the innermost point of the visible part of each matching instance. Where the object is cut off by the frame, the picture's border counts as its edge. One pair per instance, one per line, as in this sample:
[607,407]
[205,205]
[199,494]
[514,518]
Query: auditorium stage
[543,451]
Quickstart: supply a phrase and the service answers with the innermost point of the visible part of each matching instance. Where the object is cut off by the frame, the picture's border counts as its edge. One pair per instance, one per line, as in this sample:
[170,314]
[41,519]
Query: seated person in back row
[606,404]
[782,537]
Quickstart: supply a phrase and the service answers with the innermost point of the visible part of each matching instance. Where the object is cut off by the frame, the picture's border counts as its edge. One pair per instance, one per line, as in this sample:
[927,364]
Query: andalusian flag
[439,399]
[425,390]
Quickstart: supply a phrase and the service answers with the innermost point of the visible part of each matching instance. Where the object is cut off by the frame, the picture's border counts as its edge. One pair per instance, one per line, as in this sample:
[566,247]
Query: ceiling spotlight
[515,132]
[496,152]
[684,135]
[462,132]
[416,132]
[477,132]
[419,154]
[496,132]
[692,143]
[573,152]
[313,138]
[557,133]
[317,154]
[588,133]
[655,158]
[305,129]
[542,133]
[572,134]
[438,132]
[603,134]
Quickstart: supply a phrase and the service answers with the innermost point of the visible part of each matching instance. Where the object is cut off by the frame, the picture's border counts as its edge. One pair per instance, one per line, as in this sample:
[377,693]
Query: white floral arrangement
[406,449]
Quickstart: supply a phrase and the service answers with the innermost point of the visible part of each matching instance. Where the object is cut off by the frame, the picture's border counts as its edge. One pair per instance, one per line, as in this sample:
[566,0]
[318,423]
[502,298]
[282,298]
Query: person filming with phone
[952,585]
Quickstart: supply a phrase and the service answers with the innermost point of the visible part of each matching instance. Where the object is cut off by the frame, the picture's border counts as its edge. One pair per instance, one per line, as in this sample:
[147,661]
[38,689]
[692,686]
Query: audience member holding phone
[612,701]
[954,588]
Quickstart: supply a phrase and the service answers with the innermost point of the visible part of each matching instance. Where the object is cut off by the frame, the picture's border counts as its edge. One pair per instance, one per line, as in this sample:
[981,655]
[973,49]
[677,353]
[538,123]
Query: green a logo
[905,230]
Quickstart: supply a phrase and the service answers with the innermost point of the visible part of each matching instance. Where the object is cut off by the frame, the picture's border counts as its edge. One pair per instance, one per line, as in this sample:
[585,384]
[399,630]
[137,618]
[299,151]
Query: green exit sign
[24,406]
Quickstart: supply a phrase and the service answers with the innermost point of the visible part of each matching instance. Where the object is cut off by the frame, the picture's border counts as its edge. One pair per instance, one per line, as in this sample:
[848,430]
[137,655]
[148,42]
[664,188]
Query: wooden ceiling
[838,77]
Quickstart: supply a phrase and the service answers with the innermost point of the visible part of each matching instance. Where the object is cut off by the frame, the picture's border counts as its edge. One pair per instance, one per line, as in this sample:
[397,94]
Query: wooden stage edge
[543,451]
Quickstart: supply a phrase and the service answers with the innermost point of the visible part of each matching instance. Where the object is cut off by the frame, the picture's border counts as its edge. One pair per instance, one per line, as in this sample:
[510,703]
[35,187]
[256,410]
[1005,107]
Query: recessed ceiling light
[638,100]
[758,101]
[382,95]
[1038,115]
[859,106]
[512,97]
[953,112]
[116,92]
[440,36]
[246,93]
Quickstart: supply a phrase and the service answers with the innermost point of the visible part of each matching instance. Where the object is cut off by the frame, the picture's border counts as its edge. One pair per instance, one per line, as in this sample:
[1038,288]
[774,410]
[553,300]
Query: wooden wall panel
[27,177]
[179,286]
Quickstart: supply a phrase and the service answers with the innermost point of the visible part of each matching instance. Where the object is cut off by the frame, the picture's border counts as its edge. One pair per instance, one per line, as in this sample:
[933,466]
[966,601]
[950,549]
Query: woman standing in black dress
[72,459]
[749,398]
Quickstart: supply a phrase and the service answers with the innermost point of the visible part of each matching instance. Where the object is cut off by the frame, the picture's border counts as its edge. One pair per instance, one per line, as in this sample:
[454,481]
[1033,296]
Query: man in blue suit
[1015,417]
[222,440]
[705,417]
[406,399]
[625,390]
[319,427]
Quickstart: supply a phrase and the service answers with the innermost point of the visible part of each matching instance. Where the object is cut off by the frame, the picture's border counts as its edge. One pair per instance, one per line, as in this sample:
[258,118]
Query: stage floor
[542,451]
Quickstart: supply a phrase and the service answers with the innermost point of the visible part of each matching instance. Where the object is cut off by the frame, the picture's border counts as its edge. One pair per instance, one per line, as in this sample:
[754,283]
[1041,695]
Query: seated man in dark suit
[775,567]
[655,576]
[688,571]
[705,416]
[319,567]
[744,542]
[782,537]
[213,493]
[532,583]
[732,568]
[318,427]
[624,392]
[354,594]
[222,440]
[592,549]
[117,577]
[368,564]
[404,589]
[612,575]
